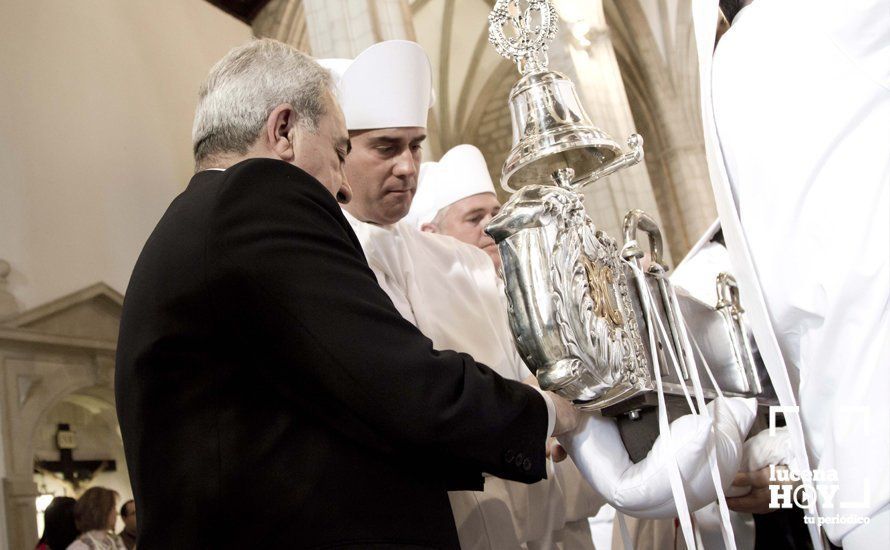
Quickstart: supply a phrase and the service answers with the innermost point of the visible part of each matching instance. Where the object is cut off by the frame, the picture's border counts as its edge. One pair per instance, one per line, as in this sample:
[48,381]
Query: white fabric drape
[801,105]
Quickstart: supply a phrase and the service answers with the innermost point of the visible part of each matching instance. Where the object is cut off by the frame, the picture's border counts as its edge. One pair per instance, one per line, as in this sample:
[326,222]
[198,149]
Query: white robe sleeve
[801,93]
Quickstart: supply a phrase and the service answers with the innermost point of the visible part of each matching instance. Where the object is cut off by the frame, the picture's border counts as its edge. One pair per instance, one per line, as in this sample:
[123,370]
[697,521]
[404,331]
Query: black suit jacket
[270,395]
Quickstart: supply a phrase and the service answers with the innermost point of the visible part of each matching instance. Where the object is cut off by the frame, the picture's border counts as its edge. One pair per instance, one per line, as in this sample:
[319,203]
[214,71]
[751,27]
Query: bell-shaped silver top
[551,131]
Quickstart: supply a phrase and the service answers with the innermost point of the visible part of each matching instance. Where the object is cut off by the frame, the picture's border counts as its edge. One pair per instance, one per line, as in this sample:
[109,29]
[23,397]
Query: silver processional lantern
[580,304]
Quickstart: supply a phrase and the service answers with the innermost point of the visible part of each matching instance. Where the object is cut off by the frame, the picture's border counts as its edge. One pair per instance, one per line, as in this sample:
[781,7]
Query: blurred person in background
[95,515]
[128,515]
[58,525]
[456,197]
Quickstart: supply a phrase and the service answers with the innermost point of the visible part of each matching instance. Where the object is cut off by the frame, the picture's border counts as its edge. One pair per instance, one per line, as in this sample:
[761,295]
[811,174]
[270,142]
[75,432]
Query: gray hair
[245,86]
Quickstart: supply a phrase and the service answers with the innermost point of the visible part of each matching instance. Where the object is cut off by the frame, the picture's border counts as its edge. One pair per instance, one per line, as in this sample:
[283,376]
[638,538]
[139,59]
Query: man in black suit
[269,393]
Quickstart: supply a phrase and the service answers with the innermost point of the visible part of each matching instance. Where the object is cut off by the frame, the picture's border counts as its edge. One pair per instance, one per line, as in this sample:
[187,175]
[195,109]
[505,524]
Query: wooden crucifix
[73,471]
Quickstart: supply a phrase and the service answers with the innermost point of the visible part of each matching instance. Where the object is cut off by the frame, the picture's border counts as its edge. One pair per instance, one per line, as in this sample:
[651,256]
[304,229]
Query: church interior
[98,98]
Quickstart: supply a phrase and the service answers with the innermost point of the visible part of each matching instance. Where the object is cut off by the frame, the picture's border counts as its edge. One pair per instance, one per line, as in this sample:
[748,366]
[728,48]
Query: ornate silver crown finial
[534,25]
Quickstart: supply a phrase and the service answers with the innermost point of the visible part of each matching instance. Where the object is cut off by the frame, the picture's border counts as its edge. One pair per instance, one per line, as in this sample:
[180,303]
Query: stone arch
[489,126]
[90,411]
[57,381]
[48,354]
[662,89]
[79,387]
[664,188]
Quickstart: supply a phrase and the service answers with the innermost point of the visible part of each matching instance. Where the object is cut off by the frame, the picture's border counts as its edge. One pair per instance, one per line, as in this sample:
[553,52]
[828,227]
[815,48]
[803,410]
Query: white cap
[460,173]
[389,85]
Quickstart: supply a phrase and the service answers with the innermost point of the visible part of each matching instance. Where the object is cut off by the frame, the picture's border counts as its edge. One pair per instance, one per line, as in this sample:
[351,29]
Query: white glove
[764,449]
[643,490]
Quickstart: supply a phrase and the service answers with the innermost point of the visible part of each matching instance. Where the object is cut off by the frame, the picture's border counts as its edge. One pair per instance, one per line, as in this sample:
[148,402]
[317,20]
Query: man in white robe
[448,289]
[796,104]
[456,198]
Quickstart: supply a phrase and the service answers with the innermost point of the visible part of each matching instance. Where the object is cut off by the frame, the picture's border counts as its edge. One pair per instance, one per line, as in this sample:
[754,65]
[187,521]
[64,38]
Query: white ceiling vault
[455,34]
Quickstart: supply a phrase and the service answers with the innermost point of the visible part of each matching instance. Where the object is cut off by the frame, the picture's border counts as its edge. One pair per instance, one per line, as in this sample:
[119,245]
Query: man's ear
[280,128]
[429,227]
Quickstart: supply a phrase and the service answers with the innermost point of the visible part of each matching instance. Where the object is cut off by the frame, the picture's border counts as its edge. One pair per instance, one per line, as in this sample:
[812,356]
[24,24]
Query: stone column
[21,512]
[8,304]
[8,308]
[584,52]
[283,20]
[655,46]
[343,28]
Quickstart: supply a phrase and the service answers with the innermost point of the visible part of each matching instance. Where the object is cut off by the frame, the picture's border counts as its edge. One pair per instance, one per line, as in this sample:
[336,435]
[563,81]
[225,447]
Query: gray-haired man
[269,393]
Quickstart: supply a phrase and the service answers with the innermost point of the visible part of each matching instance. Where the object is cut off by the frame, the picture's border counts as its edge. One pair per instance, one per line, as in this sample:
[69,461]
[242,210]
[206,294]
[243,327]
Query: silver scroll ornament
[568,298]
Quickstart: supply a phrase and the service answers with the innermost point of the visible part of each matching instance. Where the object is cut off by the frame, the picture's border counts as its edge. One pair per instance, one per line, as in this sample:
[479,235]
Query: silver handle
[634,156]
